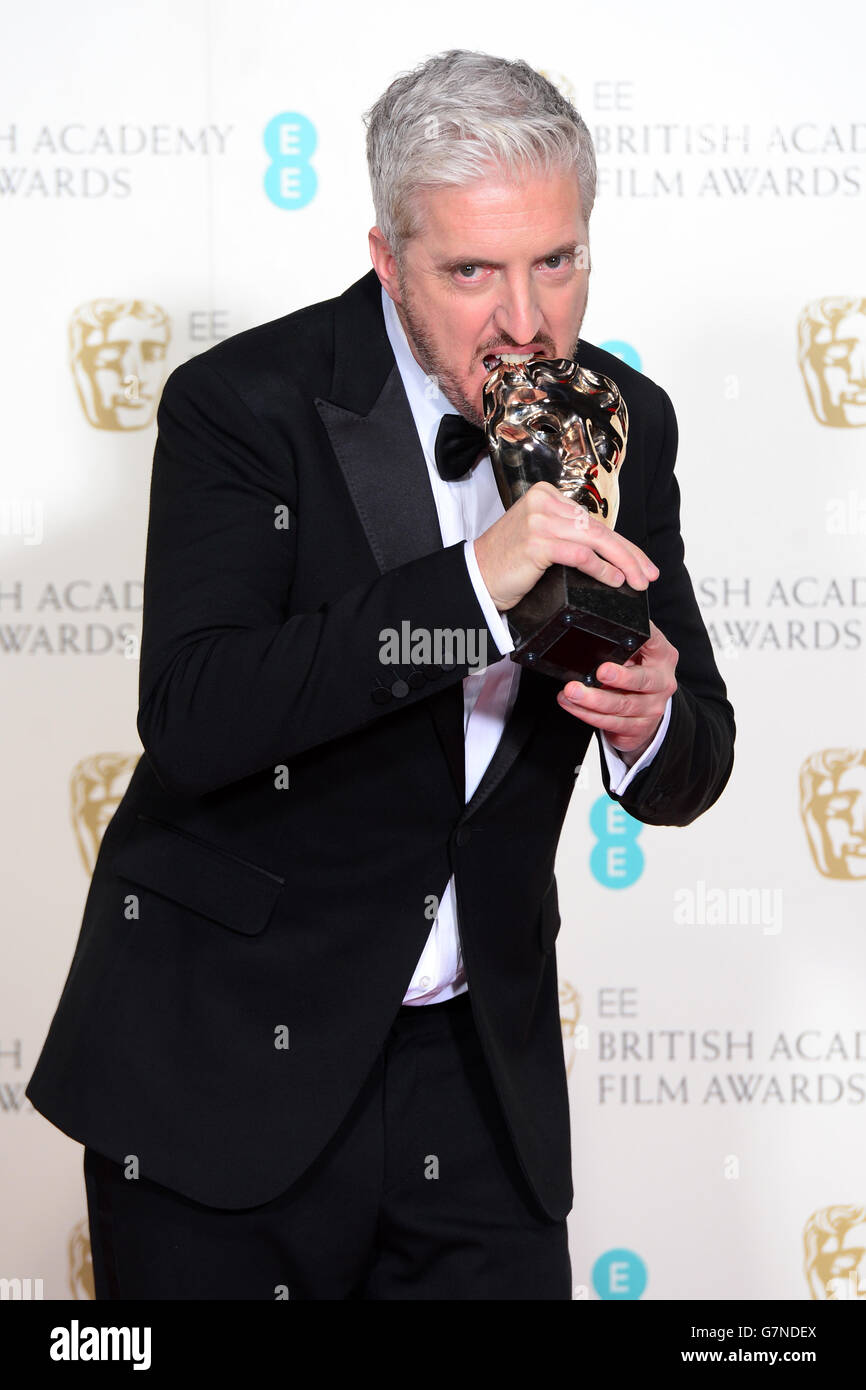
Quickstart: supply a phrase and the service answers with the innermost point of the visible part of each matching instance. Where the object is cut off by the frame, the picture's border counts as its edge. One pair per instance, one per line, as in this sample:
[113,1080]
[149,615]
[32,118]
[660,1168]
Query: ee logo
[619,1274]
[624,351]
[290,179]
[617,859]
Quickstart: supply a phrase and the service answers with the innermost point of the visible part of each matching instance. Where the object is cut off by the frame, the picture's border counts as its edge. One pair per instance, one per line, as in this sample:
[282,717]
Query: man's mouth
[509,359]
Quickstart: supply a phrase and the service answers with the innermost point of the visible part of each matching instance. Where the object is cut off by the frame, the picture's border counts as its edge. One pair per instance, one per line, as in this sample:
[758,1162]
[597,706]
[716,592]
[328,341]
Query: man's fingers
[588,561]
[612,545]
[624,705]
[645,678]
[546,528]
[547,500]
[634,707]
[594,549]
[604,559]
[600,719]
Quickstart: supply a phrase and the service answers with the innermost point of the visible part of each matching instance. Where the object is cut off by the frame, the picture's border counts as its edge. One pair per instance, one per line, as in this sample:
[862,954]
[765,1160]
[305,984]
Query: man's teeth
[510,359]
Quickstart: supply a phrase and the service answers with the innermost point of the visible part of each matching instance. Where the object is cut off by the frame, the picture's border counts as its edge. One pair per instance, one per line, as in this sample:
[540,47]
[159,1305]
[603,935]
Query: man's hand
[546,528]
[630,703]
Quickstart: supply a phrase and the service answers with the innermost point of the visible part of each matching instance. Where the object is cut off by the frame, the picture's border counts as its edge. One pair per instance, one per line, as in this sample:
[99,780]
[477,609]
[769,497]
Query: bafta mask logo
[550,420]
[117,351]
[833,807]
[81,1262]
[834,1241]
[832,356]
[95,788]
[569,1016]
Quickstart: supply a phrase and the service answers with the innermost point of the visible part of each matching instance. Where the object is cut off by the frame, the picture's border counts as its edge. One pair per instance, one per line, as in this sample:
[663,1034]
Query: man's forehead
[490,215]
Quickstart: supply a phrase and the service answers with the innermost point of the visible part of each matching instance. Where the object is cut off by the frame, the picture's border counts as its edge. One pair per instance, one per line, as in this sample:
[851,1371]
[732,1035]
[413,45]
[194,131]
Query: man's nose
[518,316]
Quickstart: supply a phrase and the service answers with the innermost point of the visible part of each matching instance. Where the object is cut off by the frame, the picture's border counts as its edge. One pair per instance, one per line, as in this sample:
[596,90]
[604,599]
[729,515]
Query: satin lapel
[381,460]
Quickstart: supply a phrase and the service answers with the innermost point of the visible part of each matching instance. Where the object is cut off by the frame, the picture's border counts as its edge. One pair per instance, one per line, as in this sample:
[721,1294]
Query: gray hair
[456,116]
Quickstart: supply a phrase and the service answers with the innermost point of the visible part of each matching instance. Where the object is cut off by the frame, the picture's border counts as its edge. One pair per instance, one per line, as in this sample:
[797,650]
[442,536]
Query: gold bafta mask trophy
[553,421]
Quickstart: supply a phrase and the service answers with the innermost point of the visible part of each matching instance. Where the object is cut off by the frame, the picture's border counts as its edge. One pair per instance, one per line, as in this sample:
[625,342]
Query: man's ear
[384,263]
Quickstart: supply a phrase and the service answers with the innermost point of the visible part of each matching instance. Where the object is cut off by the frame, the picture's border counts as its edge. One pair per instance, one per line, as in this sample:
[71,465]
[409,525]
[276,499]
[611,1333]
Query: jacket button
[399,689]
[380,695]
[463,836]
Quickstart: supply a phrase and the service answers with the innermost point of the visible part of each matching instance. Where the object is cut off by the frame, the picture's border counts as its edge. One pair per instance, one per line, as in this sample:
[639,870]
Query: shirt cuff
[621,775]
[493,618]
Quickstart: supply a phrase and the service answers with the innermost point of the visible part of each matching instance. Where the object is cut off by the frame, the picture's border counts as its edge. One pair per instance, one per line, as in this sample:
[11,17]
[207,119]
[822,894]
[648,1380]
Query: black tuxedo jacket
[229,914]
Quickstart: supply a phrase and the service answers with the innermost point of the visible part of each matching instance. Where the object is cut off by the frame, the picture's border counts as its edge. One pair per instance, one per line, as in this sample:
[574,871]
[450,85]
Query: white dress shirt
[466,509]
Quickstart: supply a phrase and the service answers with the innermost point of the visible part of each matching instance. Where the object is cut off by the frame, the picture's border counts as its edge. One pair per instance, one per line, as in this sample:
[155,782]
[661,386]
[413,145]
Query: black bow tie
[458,444]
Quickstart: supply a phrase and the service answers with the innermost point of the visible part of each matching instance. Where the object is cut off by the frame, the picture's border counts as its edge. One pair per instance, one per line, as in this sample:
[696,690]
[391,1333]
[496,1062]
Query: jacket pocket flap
[210,881]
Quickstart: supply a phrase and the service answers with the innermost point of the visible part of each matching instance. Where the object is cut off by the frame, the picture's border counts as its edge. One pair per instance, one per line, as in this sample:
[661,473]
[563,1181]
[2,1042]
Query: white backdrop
[718,1063]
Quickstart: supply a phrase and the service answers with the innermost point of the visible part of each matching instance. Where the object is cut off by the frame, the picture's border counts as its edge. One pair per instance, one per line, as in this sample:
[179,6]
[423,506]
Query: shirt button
[424,981]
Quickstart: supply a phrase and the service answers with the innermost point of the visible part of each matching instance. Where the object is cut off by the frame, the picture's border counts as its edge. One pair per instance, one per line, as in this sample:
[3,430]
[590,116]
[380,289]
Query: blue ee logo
[619,1274]
[624,351]
[617,859]
[290,140]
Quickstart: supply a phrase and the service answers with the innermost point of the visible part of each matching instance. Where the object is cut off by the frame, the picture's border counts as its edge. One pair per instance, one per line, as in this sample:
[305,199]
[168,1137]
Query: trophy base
[570,623]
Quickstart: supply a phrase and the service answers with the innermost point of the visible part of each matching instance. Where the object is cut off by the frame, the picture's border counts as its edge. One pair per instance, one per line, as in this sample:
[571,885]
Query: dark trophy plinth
[553,421]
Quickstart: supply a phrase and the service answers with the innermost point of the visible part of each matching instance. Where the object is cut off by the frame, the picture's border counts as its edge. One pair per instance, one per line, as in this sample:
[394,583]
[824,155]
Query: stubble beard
[432,363]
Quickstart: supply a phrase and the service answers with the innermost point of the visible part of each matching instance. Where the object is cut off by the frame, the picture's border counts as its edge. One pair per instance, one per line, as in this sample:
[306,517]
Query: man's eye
[465,271]
[556,262]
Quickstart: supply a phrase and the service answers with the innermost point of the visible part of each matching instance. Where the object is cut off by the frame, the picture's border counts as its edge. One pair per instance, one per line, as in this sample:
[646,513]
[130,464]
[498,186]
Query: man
[310,1034]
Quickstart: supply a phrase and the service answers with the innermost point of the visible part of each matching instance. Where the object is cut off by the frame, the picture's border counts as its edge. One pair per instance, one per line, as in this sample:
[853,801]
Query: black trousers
[418,1195]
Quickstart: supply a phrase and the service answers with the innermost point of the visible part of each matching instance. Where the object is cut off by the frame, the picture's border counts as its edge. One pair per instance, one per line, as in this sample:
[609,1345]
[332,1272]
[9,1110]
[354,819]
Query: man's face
[497,266]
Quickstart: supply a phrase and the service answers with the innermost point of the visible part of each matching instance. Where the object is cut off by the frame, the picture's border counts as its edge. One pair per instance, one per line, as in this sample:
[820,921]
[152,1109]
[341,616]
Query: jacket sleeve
[694,762]
[230,681]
